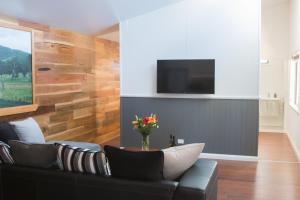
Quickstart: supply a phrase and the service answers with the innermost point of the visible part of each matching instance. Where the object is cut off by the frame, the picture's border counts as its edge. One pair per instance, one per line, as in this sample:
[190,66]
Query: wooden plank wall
[107,90]
[78,77]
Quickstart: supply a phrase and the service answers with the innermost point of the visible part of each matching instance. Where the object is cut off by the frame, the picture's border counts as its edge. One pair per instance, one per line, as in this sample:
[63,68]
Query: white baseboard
[294,146]
[271,131]
[229,157]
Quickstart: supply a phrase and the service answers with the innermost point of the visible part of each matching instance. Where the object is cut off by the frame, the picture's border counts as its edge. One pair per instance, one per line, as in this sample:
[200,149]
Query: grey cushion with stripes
[5,156]
[75,159]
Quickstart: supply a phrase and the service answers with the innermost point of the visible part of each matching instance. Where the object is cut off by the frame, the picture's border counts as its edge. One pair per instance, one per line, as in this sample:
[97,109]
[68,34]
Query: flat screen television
[186,76]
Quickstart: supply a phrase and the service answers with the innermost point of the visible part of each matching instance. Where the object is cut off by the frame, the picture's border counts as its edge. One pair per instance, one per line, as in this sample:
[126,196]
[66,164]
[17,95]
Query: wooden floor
[276,176]
[276,147]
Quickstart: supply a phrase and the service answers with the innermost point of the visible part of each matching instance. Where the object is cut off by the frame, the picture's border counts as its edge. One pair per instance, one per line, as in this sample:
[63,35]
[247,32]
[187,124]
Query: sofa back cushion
[75,159]
[34,155]
[133,165]
[28,130]
[179,159]
[7,132]
[5,155]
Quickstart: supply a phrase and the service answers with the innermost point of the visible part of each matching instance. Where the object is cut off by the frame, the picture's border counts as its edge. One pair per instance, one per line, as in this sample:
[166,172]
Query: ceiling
[84,16]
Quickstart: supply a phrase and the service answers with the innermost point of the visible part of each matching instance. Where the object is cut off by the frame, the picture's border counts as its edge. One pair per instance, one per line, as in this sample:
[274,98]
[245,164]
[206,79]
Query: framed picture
[16,70]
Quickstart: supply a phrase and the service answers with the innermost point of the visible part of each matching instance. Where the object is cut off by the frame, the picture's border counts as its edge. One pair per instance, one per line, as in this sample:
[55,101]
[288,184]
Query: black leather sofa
[199,182]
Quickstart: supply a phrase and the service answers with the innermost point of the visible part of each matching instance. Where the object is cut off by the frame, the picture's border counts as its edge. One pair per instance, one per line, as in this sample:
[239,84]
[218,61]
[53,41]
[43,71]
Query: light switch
[180,141]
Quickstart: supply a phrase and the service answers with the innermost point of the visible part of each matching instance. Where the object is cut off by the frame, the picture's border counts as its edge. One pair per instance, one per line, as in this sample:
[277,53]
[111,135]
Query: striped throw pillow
[5,156]
[74,159]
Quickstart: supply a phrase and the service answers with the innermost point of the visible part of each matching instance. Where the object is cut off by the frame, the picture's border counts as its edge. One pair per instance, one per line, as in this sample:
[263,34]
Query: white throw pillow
[28,130]
[178,159]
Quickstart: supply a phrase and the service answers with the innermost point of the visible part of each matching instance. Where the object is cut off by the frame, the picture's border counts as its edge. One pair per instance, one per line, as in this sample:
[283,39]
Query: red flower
[145,121]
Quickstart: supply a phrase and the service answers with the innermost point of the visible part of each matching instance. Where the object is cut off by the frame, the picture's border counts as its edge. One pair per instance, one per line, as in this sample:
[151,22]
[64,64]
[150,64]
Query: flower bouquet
[144,126]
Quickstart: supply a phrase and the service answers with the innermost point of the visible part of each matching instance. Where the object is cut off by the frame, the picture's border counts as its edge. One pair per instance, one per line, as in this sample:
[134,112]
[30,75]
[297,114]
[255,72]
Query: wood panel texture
[107,90]
[77,85]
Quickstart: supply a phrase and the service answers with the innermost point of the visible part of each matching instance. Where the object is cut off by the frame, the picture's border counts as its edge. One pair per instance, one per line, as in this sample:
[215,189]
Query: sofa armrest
[199,182]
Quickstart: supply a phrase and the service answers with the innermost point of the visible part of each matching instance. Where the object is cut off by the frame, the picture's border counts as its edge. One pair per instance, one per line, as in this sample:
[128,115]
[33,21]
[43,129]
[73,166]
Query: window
[295,82]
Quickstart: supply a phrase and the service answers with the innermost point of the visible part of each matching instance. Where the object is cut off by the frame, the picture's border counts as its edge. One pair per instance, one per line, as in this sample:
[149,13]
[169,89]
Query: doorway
[274,65]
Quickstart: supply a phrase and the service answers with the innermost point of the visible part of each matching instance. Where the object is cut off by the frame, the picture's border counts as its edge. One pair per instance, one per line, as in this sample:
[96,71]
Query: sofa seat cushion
[82,145]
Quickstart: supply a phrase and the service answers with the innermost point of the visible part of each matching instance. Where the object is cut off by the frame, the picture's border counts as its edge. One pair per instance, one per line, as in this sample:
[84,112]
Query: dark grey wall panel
[226,126]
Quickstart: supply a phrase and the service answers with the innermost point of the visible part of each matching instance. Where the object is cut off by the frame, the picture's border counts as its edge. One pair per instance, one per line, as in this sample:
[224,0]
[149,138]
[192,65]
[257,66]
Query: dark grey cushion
[139,165]
[82,145]
[7,132]
[33,155]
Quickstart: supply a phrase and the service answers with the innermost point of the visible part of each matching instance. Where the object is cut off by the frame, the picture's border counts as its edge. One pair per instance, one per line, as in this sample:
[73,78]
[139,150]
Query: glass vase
[145,143]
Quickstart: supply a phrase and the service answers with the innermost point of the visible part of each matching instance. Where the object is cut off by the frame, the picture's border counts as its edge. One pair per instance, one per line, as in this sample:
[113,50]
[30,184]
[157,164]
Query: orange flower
[152,120]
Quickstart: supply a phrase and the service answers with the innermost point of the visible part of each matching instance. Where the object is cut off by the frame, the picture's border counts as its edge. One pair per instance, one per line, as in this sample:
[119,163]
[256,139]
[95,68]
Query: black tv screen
[186,76]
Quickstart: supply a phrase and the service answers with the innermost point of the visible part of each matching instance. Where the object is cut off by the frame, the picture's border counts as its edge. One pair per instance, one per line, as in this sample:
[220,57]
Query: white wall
[275,48]
[227,31]
[292,118]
